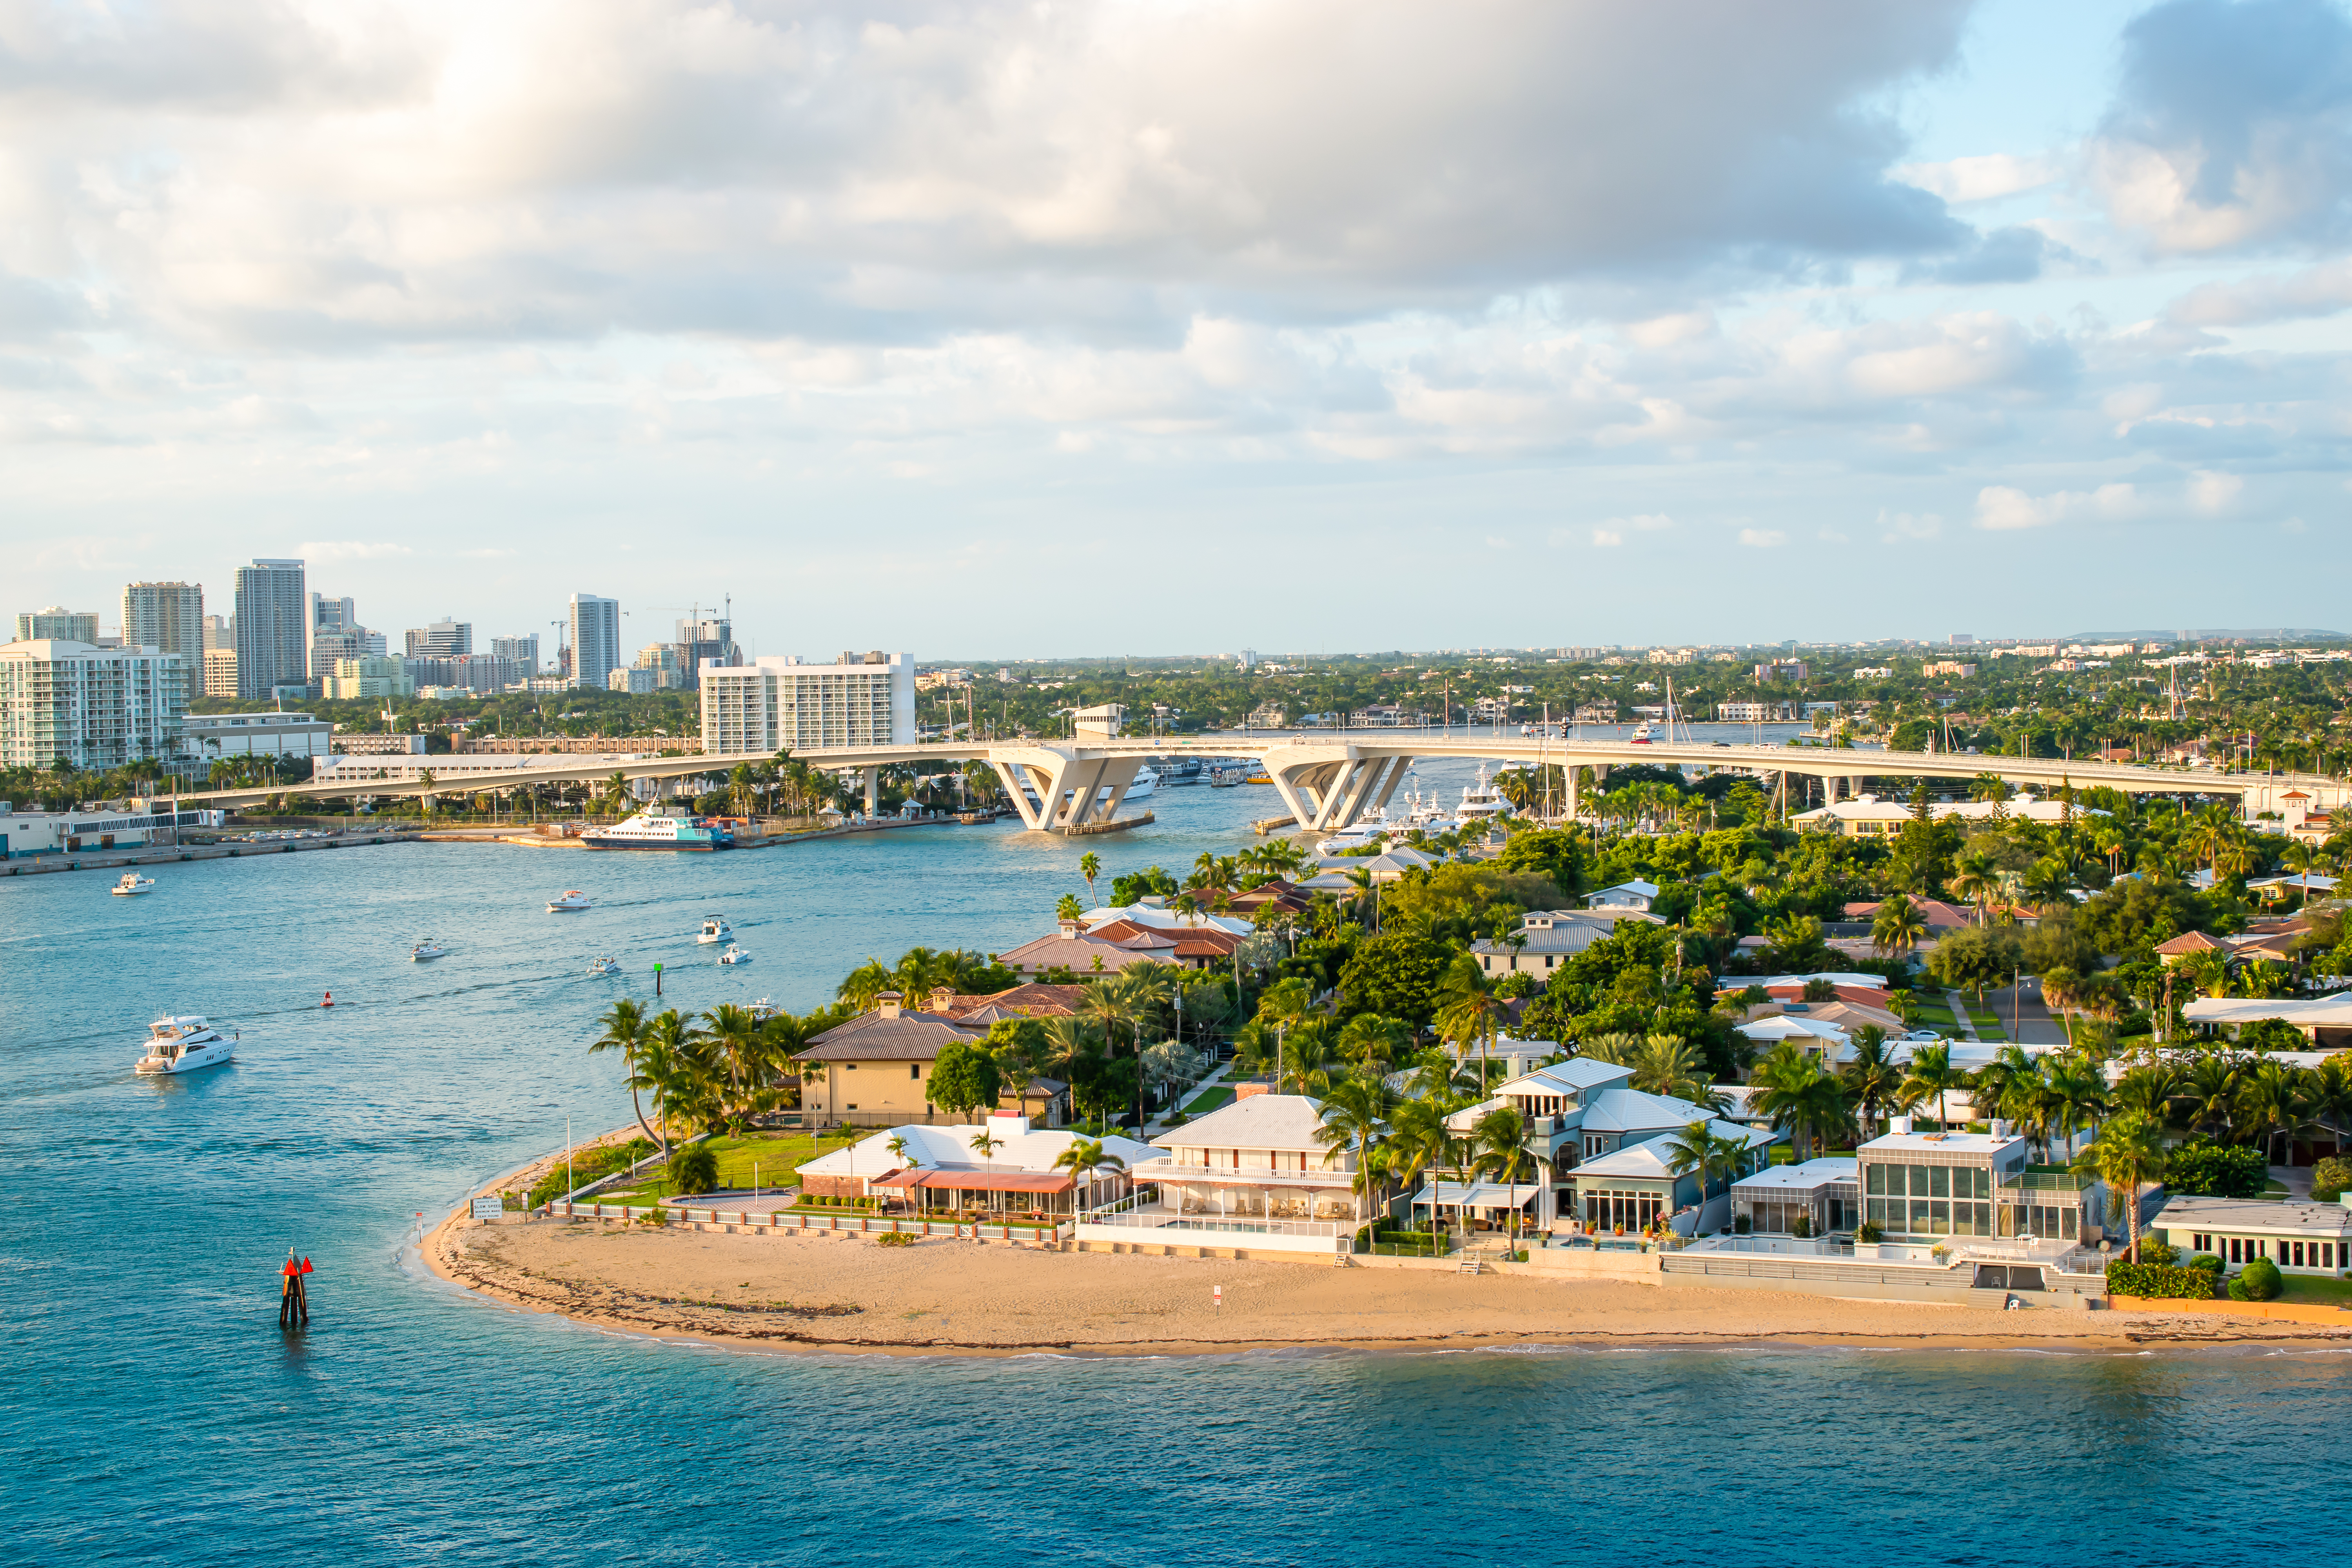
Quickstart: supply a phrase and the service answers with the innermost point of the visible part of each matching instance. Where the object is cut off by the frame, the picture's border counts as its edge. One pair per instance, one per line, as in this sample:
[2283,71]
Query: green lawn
[1933,1015]
[777,1157]
[1211,1098]
[2316,1290]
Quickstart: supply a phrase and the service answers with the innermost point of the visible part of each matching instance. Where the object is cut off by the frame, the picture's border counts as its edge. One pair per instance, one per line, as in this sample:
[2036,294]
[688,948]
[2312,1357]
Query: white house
[1635,895]
[1252,1177]
[2301,1238]
[940,1167]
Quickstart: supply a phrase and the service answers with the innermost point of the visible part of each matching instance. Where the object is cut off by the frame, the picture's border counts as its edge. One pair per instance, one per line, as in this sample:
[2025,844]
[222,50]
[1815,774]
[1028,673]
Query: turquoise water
[153,1413]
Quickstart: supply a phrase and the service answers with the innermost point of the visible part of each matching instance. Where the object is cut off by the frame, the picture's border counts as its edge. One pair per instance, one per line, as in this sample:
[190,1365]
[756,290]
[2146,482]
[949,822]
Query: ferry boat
[566,901]
[715,928]
[1225,775]
[133,883]
[604,966]
[1177,772]
[184,1044]
[656,829]
[426,949]
[734,954]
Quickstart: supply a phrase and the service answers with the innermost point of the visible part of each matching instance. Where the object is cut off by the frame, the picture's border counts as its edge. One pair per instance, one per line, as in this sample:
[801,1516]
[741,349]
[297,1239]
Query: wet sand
[947,1297]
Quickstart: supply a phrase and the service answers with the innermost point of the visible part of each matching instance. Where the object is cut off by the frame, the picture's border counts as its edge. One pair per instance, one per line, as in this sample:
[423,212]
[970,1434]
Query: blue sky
[1168,326]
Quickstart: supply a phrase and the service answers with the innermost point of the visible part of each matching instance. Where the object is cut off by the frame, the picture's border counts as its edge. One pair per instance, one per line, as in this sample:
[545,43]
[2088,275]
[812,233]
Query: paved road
[2034,1026]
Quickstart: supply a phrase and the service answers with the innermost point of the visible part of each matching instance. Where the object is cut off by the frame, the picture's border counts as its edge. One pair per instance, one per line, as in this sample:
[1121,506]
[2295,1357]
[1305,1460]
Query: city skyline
[1835,323]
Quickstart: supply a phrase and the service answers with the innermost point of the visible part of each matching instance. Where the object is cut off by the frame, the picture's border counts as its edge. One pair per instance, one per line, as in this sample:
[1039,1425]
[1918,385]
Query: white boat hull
[202,1057]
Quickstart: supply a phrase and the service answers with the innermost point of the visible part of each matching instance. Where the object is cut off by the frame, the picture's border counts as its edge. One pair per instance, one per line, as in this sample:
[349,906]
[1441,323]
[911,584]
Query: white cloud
[1608,537]
[2211,492]
[350,549]
[2003,509]
[1981,179]
[1904,525]
[1762,538]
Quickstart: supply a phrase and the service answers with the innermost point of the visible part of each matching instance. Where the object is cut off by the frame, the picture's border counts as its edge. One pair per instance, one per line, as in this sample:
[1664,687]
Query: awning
[985,1181]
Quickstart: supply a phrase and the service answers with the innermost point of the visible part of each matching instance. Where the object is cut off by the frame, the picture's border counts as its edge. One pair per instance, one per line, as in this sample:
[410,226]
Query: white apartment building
[595,640]
[457,770]
[95,708]
[213,736]
[773,704]
[364,676]
[57,624]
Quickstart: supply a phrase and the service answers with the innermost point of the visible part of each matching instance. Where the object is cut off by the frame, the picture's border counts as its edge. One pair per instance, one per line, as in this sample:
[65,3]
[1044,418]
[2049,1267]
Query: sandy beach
[943,1297]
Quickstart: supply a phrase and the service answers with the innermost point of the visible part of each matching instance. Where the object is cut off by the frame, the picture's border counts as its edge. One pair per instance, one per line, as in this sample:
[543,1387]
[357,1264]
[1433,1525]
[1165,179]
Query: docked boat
[658,829]
[1225,775]
[184,1044]
[1373,828]
[1481,800]
[604,966]
[133,883]
[715,928]
[567,901]
[1146,781]
[426,949]
[734,954]
[1176,772]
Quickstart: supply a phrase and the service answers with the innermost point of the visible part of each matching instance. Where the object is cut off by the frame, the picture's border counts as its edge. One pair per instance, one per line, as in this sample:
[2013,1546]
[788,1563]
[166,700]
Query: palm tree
[985,1145]
[2271,1102]
[1372,1042]
[1785,1081]
[2127,1154]
[1977,879]
[1871,1079]
[2078,1092]
[1468,1009]
[1697,1151]
[1091,867]
[1419,1141]
[1303,1054]
[1672,1066]
[1499,1149]
[1082,1159]
[624,1031]
[1932,1073]
[1356,1111]
[1898,928]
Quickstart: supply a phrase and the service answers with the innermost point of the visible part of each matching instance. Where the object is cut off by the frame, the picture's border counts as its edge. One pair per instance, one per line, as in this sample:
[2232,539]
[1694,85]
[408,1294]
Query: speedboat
[566,901]
[715,930]
[133,882]
[182,1045]
[426,949]
[734,954]
[604,966]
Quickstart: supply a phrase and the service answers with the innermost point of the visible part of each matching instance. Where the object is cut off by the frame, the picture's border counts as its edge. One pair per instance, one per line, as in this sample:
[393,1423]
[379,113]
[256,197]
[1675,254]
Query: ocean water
[153,1412]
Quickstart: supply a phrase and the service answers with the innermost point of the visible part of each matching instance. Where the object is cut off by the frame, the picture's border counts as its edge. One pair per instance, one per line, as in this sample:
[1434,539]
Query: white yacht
[182,1045]
[568,900]
[131,883]
[1641,736]
[1481,800]
[734,954]
[426,949]
[715,930]
[604,966]
[1146,781]
[1373,827]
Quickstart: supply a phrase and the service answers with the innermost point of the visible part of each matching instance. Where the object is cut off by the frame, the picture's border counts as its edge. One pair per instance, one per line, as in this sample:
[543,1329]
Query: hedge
[2217,1171]
[2156,1279]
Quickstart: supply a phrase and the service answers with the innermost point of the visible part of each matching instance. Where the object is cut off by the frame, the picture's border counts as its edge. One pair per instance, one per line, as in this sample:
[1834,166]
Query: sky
[1177,326]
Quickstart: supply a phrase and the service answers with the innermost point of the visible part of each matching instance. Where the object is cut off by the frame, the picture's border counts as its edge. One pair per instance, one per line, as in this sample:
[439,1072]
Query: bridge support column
[1047,785]
[1288,785]
[873,790]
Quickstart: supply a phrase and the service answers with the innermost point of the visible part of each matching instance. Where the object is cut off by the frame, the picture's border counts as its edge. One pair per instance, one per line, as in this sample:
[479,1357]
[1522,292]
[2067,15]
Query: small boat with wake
[184,1044]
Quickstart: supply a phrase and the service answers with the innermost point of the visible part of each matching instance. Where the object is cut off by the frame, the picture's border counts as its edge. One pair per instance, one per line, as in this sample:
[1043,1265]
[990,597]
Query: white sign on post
[489,1208]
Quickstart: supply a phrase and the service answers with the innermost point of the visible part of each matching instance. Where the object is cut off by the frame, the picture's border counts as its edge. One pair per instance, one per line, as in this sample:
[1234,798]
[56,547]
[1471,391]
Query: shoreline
[945,1298]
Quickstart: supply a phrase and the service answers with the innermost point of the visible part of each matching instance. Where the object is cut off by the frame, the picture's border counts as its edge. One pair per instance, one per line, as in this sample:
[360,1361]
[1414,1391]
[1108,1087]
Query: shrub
[656,1216]
[894,1238]
[2217,1171]
[2158,1252]
[1739,1223]
[2330,1177]
[2159,1279]
[1802,1228]
[2258,1281]
[1868,1235]
[2211,1262]
[694,1169]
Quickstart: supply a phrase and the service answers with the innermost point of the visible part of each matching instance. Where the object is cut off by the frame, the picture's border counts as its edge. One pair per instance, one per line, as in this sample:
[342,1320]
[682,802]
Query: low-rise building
[367,677]
[876,1069]
[1636,895]
[362,744]
[1817,1198]
[1545,940]
[1923,1186]
[2299,1236]
[26,833]
[214,736]
[1253,1175]
[457,772]
[1869,817]
[1018,1170]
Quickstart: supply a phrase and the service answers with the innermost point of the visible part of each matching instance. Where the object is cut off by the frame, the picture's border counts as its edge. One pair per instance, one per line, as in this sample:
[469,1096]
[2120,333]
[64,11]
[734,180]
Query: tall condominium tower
[57,624]
[273,630]
[595,640]
[169,616]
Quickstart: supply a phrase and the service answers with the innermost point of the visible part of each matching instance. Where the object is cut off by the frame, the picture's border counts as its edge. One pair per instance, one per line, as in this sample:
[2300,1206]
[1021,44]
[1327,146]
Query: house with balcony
[1012,1171]
[1250,1177]
[1816,1199]
[1636,1185]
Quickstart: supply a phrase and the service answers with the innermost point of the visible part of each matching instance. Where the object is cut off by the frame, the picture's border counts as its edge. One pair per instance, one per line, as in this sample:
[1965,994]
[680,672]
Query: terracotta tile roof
[870,1037]
[2189,942]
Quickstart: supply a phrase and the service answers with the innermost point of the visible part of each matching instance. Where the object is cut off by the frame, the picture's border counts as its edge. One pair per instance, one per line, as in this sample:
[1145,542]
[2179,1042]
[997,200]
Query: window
[914,1070]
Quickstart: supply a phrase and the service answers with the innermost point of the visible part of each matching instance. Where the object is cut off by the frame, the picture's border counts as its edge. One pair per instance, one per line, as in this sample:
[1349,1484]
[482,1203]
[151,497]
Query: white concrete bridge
[1329,779]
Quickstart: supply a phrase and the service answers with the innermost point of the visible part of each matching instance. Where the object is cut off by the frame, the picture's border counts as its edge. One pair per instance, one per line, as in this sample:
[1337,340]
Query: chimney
[1069,928]
[886,1004]
[942,998]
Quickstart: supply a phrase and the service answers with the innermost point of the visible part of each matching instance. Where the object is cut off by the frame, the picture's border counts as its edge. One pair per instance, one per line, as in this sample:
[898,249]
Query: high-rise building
[334,633]
[220,672]
[59,624]
[220,631]
[523,649]
[595,640]
[700,640]
[333,615]
[169,616]
[368,677]
[94,708]
[771,704]
[273,628]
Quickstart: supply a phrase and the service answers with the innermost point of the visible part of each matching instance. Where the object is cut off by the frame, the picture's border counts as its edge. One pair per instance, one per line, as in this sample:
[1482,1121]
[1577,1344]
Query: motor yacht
[1481,800]
[658,829]
[133,883]
[715,930]
[426,949]
[1642,735]
[567,901]
[734,954]
[184,1044]
[604,966]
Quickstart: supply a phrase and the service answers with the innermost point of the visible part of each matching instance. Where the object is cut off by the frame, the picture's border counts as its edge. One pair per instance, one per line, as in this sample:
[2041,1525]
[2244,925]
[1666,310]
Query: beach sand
[943,1296]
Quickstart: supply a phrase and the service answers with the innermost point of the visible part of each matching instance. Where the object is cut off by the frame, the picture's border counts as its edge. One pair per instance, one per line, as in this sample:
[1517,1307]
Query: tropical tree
[1898,927]
[1672,1066]
[624,1031]
[1356,1111]
[1789,1090]
[2270,1103]
[1091,867]
[2127,1154]
[1468,1009]
[1499,1145]
[1697,1150]
[1083,1158]
[1419,1141]
[1976,880]
[985,1145]
[1872,1081]
[1932,1074]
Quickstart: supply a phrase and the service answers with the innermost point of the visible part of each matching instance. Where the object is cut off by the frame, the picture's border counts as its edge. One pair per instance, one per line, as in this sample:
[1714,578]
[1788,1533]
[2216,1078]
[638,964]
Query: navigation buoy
[330,1001]
[293,1297]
